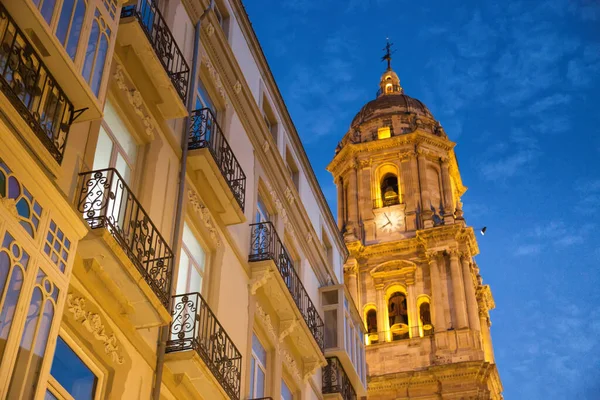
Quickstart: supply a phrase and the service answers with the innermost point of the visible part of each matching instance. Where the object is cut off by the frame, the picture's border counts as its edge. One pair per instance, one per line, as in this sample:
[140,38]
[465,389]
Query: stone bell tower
[411,270]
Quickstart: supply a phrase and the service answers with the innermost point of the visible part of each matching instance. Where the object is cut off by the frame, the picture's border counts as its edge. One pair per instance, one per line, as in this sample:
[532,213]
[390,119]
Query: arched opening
[389,190]
[398,316]
[389,88]
[371,319]
[425,319]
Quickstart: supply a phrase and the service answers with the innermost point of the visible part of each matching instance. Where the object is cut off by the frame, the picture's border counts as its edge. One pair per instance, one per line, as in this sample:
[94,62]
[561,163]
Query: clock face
[390,221]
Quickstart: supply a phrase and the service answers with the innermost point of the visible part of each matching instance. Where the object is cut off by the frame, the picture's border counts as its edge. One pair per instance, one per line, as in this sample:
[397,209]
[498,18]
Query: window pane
[194,247]
[49,396]
[286,393]
[120,131]
[123,168]
[182,276]
[204,98]
[72,373]
[252,368]
[195,281]
[103,151]
[259,350]
[260,383]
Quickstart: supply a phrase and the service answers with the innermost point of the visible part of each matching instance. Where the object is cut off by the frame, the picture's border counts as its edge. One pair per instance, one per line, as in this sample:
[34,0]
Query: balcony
[335,381]
[344,335]
[270,259]
[32,90]
[196,331]
[151,55]
[132,251]
[213,161]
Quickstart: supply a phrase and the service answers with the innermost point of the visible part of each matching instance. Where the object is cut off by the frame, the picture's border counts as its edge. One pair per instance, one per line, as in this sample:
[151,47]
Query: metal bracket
[77,114]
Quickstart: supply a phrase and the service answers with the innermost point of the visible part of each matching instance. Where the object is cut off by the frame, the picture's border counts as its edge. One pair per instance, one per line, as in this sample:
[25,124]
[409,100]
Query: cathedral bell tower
[411,270]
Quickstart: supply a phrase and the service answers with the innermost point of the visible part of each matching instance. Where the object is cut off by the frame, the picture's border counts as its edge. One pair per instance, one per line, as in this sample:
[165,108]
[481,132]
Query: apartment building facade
[162,232]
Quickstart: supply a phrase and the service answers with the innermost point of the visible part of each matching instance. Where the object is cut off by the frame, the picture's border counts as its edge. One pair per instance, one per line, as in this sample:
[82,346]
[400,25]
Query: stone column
[426,213]
[486,337]
[447,195]
[340,203]
[351,278]
[411,220]
[413,314]
[472,308]
[352,200]
[380,312]
[458,290]
[437,308]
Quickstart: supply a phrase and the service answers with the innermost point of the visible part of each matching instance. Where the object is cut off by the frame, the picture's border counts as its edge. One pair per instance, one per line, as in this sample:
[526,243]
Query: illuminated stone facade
[411,270]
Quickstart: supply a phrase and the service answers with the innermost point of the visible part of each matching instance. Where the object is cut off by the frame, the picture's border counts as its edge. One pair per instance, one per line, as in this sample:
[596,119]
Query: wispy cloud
[506,159]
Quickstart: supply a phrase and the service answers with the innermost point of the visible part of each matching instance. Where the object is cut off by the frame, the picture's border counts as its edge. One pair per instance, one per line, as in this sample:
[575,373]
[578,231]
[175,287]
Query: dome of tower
[387,104]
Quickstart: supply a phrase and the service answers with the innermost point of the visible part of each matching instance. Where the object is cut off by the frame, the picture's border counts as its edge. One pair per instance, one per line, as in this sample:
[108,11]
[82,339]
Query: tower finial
[388,53]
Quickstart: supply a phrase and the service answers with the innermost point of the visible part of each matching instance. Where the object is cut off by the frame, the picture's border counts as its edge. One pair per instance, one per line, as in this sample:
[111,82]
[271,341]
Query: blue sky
[516,85]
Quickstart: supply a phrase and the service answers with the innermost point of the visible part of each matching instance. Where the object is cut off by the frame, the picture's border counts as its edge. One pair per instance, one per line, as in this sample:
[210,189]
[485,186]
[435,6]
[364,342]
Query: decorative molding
[282,212]
[265,146]
[215,76]
[258,280]
[286,328]
[310,367]
[93,323]
[289,195]
[291,364]
[210,29]
[266,321]
[309,238]
[237,88]
[135,99]
[205,216]
[10,205]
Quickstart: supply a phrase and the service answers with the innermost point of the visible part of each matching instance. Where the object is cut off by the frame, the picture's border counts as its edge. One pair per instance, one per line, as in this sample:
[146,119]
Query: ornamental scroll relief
[93,323]
[204,216]
[135,99]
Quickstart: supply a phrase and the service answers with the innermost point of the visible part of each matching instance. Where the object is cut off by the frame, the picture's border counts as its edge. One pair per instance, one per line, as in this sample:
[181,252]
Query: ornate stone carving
[93,323]
[265,146]
[280,209]
[205,216]
[266,321]
[291,365]
[309,238]
[289,195]
[258,280]
[135,99]
[10,206]
[310,367]
[237,88]
[210,29]
[286,328]
[215,76]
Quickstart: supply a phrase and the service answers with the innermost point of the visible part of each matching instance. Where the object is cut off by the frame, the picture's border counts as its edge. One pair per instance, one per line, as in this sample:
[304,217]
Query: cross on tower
[388,53]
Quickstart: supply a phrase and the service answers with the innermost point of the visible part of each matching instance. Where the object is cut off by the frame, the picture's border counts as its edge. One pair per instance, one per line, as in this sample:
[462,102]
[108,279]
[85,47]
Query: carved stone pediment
[393,268]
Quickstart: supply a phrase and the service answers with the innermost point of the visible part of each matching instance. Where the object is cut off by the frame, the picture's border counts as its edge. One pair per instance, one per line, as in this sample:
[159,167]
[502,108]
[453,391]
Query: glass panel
[330,297]
[252,368]
[184,270]
[203,99]
[260,383]
[91,51]
[100,61]
[120,131]
[104,149]
[195,280]
[286,393]
[123,168]
[331,328]
[262,214]
[72,373]
[259,350]
[195,249]
[50,396]
[48,9]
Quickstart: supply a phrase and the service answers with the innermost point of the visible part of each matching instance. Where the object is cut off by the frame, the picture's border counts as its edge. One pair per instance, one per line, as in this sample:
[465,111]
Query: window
[116,147]
[191,263]
[96,52]
[203,99]
[222,16]
[70,23]
[425,319]
[262,213]
[269,117]
[71,374]
[372,325]
[398,316]
[286,393]
[292,168]
[327,247]
[257,369]
[389,190]
[384,132]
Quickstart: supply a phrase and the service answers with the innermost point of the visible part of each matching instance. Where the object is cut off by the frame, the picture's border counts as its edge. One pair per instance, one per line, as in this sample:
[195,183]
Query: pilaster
[439,318]
[472,308]
[380,298]
[458,290]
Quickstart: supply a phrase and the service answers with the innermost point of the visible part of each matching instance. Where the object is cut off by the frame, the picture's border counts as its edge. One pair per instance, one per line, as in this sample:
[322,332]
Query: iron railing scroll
[206,133]
[335,380]
[107,202]
[163,42]
[266,245]
[195,327]
[31,88]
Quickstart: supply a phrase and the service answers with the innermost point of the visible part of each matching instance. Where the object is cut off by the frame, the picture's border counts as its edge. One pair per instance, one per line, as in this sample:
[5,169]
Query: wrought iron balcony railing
[335,380]
[195,327]
[206,133]
[163,42]
[107,202]
[31,89]
[266,245]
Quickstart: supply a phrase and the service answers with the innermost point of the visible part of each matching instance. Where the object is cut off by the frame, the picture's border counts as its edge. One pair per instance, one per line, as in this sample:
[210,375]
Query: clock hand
[385,225]
[388,218]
